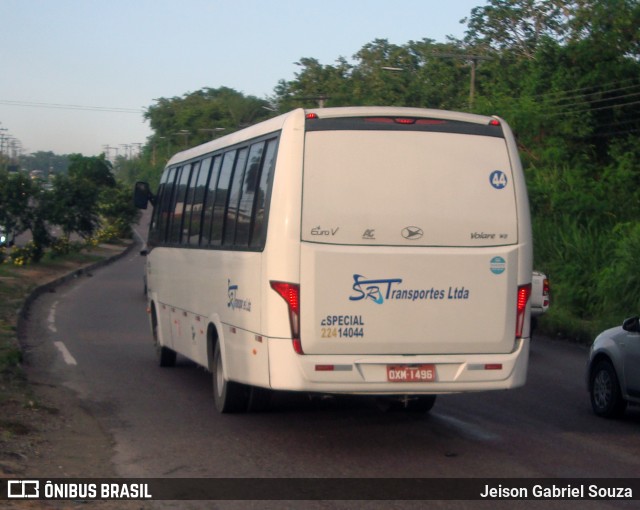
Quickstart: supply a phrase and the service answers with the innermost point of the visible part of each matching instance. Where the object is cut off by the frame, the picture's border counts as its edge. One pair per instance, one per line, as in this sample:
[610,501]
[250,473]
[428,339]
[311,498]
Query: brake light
[379,120]
[494,122]
[546,291]
[405,121]
[290,292]
[430,122]
[524,292]
[311,116]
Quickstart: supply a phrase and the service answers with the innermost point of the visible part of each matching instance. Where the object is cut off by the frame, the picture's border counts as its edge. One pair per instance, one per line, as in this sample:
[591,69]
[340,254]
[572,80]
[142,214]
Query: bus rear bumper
[395,374]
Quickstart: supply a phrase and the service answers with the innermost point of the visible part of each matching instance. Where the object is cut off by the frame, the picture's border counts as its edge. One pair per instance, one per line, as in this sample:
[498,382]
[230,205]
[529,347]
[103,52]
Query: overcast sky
[114,57]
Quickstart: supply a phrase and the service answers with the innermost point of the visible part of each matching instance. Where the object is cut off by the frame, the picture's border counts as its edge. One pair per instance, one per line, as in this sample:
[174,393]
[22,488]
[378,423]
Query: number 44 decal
[498,179]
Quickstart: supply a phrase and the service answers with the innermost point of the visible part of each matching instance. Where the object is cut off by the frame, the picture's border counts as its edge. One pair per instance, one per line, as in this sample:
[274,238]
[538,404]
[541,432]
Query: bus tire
[166,357]
[229,396]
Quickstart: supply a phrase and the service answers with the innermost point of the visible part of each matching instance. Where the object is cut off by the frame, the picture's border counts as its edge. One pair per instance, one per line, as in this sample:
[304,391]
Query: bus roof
[276,123]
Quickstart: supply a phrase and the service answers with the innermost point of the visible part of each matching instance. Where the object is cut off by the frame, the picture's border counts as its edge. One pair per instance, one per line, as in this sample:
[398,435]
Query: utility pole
[472,87]
[127,150]
[138,148]
[184,133]
[474,64]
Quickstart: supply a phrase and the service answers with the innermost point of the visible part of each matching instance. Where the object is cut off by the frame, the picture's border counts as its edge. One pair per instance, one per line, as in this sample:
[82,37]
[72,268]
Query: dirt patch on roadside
[55,437]
[52,435]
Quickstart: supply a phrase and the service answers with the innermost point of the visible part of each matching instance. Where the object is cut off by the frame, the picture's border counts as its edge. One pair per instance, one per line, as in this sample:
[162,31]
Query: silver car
[613,372]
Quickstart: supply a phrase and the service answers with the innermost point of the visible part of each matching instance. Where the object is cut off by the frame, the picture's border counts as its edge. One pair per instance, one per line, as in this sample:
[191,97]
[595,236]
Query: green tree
[196,117]
[315,85]
[420,73]
[96,171]
[517,26]
[73,206]
[16,194]
[74,198]
[23,209]
[611,25]
[46,161]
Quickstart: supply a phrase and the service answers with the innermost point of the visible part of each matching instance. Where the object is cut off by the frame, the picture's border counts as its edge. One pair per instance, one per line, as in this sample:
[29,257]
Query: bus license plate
[411,373]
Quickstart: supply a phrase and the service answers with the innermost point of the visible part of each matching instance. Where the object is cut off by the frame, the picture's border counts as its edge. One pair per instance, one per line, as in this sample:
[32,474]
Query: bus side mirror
[142,195]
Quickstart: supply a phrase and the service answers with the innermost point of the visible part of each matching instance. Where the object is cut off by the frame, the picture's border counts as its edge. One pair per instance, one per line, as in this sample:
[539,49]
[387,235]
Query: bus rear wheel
[229,396]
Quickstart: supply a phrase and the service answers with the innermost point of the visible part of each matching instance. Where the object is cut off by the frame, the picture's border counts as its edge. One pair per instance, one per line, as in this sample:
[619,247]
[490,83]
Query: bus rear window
[407,188]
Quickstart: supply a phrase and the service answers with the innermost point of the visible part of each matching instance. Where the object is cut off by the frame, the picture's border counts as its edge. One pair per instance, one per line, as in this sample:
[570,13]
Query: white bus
[364,250]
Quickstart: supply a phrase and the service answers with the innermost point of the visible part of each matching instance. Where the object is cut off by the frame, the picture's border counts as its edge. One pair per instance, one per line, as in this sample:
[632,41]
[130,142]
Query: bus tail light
[290,292]
[546,292]
[524,292]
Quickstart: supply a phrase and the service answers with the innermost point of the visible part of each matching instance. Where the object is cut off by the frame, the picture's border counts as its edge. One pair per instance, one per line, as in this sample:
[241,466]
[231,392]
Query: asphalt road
[163,422]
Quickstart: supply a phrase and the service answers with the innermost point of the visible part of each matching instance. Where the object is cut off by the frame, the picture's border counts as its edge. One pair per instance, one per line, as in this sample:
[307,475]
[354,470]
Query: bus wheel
[229,396]
[166,357]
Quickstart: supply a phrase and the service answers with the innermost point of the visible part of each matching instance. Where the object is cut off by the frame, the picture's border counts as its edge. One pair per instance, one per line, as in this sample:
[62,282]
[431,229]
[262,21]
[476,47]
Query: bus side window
[175,226]
[245,207]
[262,195]
[234,198]
[154,230]
[199,192]
[221,196]
[188,203]
[164,206]
[210,201]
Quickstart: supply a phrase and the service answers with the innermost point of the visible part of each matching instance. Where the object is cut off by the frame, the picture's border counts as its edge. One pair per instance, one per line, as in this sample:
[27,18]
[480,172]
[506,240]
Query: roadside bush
[619,282]
[63,246]
[25,255]
[110,233]
[60,247]
[572,253]
[584,240]
[117,212]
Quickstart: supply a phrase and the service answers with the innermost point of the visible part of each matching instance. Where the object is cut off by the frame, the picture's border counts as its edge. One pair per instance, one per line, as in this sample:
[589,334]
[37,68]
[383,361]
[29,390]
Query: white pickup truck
[540,296]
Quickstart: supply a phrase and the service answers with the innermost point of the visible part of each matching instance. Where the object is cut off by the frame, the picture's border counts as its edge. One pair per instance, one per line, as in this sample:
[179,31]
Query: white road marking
[66,355]
[51,320]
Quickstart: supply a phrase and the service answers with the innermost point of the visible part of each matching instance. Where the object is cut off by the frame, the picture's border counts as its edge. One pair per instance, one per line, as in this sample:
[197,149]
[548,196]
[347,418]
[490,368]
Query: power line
[586,98]
[602,86]
[609,96]
[59,106]
[554,97]
[587,109]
